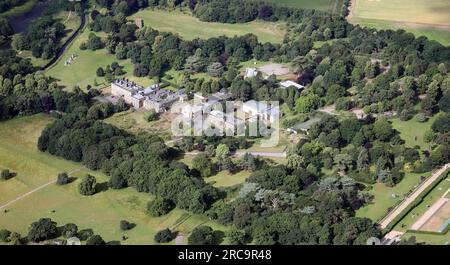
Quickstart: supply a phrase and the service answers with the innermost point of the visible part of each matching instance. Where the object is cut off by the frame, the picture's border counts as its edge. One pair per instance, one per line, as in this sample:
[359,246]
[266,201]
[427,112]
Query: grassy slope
[190,27]
[101,212]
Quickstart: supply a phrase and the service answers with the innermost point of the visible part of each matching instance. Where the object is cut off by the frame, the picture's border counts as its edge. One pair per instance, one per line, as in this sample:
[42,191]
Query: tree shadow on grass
[101,187]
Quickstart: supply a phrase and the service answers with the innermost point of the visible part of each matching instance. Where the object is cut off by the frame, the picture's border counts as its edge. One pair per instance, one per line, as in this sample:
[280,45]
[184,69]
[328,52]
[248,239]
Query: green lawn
[428,18]
[190,27]
[224,179]
[325,5]
[134,122]
[383,198]
[101,212]
[429,239]
[413,131]
[83,70]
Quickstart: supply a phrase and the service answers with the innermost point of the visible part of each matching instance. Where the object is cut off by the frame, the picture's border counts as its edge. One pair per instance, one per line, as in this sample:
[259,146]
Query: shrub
[95,240]
[164,236]
[125,225]
[87,186]
[202,235]
[421,117]
[43,229]
[85,234]
[62,179]
[69,230]
[151,116]
[100,72]
[236,236]
[4,235]
[6,174]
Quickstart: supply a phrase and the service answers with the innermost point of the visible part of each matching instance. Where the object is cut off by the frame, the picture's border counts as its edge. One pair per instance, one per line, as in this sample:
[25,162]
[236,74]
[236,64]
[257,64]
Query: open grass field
[429,18]
[101,212]
[190,27]
[413,131]
[83,70]
[222,179]
[325,5]
[387,197]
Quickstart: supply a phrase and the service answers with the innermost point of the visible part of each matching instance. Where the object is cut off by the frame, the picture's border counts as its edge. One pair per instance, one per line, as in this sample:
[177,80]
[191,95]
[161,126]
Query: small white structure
[251,72]
[290,83]
[70,60]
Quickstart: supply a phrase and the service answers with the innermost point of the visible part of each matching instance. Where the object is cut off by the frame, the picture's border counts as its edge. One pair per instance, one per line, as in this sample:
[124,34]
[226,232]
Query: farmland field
[101,212]
[325,5]
[190,27]
[429,18]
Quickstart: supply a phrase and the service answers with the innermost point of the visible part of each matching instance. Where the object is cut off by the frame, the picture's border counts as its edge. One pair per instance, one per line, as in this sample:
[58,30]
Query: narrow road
[406,202]
[33,191]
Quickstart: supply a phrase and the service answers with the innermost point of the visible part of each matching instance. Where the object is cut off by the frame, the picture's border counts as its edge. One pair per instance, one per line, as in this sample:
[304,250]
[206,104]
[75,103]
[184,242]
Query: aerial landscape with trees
[378,101]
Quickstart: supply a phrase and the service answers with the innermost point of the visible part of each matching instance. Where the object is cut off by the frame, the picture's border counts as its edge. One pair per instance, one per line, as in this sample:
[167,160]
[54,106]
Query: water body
[20,23]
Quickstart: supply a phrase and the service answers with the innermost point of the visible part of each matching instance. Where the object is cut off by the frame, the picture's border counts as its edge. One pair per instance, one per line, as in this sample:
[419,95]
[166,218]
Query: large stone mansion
[151,98]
